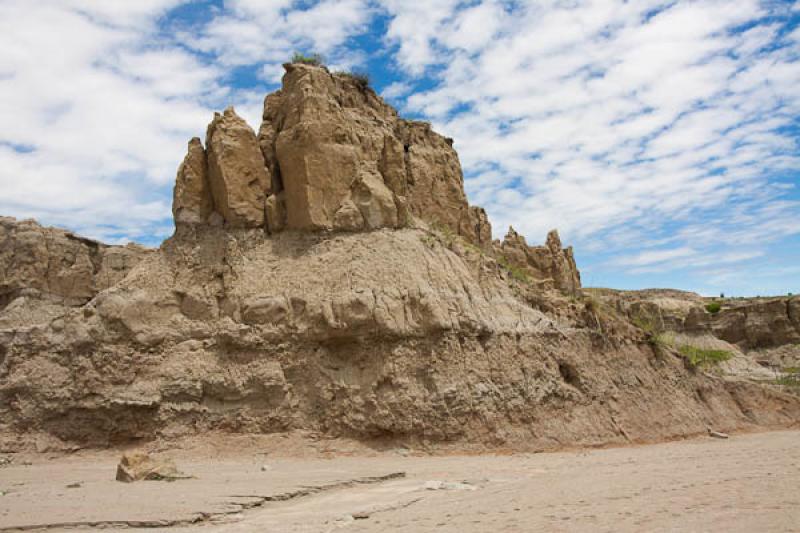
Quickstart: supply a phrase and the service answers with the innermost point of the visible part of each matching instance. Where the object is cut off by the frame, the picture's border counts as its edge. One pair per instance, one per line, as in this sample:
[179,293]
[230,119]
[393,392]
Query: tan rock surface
[333,146]
[58,266]
[142,467]
[377,335]
[761,334]
[192,202]
[749,323]
[237,173]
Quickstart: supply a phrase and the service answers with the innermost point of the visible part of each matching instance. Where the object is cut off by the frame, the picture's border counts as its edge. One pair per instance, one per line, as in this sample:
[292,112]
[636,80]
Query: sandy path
[746,483]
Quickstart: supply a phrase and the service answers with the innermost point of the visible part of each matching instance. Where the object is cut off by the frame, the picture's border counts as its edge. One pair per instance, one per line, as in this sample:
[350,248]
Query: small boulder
[140,466]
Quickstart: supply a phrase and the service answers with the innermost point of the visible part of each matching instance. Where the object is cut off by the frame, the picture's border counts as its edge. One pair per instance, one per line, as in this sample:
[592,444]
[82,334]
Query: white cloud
[267,33]
[396,90]
[102,109]
[653,120]
[414,26]
[99,101]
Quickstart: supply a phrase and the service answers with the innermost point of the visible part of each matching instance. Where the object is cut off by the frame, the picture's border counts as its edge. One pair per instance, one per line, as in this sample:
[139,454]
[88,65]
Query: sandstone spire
[191,202]
[237,174]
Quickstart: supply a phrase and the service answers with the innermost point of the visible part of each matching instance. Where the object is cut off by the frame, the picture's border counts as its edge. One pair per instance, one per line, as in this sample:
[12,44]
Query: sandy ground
[745,483]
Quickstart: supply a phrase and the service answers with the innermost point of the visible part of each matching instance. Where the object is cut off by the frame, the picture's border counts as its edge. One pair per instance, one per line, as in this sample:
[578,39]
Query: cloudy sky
[662,138]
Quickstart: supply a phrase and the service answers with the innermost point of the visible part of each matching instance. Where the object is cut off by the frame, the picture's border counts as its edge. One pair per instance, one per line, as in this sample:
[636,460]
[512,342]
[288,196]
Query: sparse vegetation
[446,235]
[441,234]
[592,305]
[469,246]
[656,336]
[429,240]
[702,357]
[713,307]
[790,377]
[361,79]
[516,272]
[312,59]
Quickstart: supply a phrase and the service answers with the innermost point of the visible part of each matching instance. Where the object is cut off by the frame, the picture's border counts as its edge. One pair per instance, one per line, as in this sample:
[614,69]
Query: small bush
[361,79]
[788,381]
[312,59]
[713,307]
[790,377]
[446,235]
[701,357]
[516,272]
[429,240]
[471,247]
[654,328]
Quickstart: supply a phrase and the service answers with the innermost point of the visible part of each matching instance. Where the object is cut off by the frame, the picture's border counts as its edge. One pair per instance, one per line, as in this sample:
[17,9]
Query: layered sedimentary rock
[762,334]
[329,275]
[751,325]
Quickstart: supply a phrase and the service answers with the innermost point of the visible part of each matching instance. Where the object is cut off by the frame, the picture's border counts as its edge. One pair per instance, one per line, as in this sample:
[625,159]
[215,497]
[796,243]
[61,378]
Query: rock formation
[330,155]
[57,265]
[328,274]
[550,266]
[751,325]
[761,332]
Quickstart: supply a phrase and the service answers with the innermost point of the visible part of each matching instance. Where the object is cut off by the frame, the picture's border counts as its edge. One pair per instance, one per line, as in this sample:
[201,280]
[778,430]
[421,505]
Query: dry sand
[746,483]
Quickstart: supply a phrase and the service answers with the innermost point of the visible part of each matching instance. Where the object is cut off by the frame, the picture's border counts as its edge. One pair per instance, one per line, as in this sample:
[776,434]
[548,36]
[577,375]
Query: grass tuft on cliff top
[316,60]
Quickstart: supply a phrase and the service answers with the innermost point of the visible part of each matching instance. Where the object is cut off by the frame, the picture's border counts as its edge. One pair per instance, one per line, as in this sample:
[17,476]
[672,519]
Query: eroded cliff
[328,274]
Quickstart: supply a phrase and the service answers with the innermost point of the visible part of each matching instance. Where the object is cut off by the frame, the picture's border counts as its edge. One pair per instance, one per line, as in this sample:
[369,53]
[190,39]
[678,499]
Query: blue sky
[662,138]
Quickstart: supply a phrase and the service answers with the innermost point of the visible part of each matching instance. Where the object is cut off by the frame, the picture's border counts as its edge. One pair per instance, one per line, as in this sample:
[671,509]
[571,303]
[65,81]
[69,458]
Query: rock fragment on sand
[717,434]
[140,466]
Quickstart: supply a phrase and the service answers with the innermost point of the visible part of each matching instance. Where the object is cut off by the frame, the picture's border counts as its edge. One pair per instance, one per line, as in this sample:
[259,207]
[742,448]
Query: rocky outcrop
[549,266]
[57,265]
[345,161]
[331,155]
[764,332]
[225,183]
